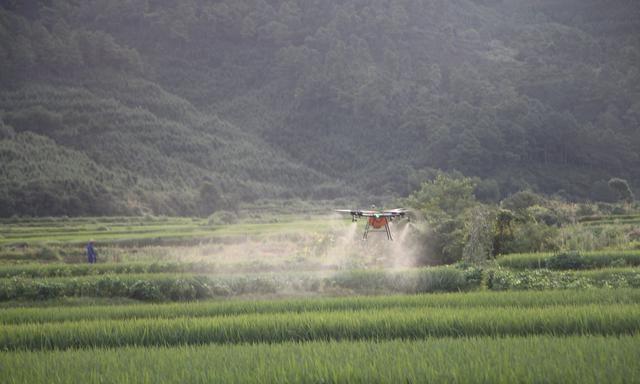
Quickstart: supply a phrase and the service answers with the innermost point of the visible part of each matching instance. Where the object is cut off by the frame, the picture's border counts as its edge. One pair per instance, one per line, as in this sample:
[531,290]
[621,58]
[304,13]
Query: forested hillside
[184,107]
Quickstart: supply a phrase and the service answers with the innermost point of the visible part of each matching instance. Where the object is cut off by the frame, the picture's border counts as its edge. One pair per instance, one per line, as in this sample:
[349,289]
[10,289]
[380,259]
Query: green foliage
[443,197]
[447,203]
[154,286]
[622,189]
[520,201]
[571,260]
[487,191]
[503,232]
[222,218]
[566,260]
[502,279]
[479,238]
[46,254]
[209,198]
[139,287]
[532,237]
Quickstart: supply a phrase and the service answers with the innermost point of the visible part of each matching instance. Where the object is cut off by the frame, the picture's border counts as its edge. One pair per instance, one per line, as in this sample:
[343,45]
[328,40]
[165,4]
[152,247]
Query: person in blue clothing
[91,253]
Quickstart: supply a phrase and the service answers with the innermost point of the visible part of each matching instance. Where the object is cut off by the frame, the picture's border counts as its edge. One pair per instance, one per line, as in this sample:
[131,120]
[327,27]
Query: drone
[376,219]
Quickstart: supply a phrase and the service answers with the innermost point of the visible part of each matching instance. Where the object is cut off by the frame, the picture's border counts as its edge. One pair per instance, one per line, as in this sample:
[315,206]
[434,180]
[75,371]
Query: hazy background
[187,107]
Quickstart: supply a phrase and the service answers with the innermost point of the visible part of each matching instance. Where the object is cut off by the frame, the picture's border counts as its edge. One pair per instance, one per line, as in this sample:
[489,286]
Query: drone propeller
[369,213]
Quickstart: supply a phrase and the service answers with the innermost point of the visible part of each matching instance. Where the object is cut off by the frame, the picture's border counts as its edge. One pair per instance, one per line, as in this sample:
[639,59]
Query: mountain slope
[195,105]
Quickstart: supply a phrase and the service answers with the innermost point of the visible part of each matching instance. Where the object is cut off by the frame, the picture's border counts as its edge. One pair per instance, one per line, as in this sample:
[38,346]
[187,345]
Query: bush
[47,254]
[222,218]
[622,188]
[500,279]
[111,287]
[586,210]
[145,290]
[618,210]
[441,280]
[543,215]
[569,260]
[181,290]
[532,237]
[522,200]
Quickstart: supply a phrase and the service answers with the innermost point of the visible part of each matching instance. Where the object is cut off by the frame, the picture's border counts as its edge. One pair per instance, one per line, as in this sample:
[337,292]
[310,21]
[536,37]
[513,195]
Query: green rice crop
[68,270]
[485,299]
[157,287]
[394,323]
[538,359]
[582,260]
[141,232]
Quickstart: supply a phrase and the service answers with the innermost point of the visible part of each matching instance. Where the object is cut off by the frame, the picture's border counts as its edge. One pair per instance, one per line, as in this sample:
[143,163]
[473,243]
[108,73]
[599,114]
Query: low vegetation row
[161,287]
[68,270]
[184,287]
[571,260]
[575,359]
[502,279]
[393,323]
[515,300]
[553,261]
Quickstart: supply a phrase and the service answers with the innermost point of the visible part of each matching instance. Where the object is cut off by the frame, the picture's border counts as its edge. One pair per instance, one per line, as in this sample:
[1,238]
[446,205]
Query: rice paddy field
[181,300]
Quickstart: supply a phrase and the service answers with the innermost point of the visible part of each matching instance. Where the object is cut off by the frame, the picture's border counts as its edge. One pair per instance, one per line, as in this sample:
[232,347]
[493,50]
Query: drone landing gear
[377,228]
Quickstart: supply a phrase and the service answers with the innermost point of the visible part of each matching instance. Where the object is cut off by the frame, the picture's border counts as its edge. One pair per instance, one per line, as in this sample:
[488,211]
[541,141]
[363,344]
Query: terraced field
[576,359]
[584,335]
[565,317]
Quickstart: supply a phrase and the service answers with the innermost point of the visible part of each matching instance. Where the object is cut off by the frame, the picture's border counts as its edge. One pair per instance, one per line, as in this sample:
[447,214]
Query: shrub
[543,215]
[568,260]
[47,254]
[181,290]
[145,290]
[586,210]
[532,237]
[622,188]
[441,280]
[618,211]
[522,200]
[222,218]
[501,279]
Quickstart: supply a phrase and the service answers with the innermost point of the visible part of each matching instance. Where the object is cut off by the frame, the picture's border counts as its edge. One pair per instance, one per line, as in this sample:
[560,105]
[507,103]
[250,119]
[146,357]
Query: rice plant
[427,302]
[534,359]
[393,323]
